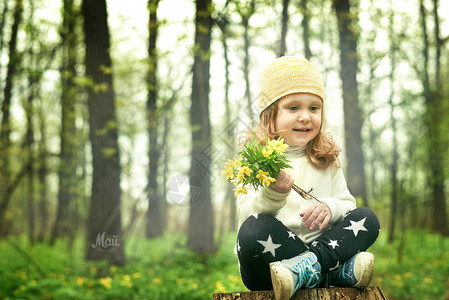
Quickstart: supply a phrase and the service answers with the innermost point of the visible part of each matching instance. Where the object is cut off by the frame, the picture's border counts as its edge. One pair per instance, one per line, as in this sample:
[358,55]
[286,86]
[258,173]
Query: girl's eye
[293,108]
[314,108]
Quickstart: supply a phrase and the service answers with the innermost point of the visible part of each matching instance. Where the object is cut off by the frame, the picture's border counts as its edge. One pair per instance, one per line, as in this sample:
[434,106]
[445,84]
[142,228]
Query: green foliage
[157,269]
[419,271]
[164,268]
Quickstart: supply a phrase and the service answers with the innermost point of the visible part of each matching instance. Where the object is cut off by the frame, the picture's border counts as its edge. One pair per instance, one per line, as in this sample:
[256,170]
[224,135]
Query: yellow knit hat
[287,75]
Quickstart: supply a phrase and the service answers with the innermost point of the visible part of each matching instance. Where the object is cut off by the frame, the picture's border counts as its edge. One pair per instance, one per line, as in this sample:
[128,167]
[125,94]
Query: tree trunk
[155,221]
[305,29]
[433,120]
[42,177]
[201,218]
[352,112]
[246,12]
[104,228]
[283,45]
[370,292]
[68,161]
[394,154]
[5,126]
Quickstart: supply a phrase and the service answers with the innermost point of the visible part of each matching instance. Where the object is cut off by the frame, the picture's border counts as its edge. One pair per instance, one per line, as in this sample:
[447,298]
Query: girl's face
[299,118]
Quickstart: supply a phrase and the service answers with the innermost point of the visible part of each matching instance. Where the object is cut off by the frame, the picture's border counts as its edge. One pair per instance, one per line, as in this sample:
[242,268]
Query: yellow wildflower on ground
[126,281]
[234,279]
[106,282]
[136,275]
[219,288]
[80,280]
[157,280]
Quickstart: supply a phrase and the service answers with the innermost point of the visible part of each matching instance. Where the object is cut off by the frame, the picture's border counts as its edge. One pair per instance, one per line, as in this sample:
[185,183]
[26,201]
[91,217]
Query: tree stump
[334,293]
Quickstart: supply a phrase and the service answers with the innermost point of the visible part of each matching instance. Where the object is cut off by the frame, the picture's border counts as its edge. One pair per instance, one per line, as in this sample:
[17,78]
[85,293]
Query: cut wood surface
[370,292]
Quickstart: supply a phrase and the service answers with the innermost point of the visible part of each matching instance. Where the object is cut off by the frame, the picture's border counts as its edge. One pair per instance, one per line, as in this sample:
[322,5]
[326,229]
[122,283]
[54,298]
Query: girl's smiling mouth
[301,129]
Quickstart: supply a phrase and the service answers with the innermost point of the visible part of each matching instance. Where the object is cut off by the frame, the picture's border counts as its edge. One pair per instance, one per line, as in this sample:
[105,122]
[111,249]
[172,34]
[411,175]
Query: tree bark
[42,177]
[246,12]
[155,220]
[104,218]
[67,191]
[5,126]
[283,45]
[201,218]
[353,114]
[370,292]
[394,154]
[433,120]
[305,28]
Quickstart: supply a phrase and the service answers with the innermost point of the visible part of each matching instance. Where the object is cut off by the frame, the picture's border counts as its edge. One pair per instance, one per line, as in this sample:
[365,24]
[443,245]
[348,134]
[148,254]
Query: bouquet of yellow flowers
[258,164]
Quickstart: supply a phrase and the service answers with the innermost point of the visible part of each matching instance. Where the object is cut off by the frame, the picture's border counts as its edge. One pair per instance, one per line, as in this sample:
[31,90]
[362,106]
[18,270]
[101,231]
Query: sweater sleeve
[265,200]
[341,200]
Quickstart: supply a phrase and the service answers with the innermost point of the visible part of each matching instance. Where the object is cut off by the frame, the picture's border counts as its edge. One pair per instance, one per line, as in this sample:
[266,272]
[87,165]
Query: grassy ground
[164,269]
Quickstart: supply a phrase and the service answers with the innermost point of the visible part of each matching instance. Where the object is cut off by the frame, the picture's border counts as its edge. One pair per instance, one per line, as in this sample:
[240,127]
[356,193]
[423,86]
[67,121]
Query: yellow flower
[278,146]
[261,174]
[267,180]
[237,162]
[157,280]
[240,190]
[106,282]
[126,281]
[267,150]
[242,172]
[136,275]
[80,280]
[229,170]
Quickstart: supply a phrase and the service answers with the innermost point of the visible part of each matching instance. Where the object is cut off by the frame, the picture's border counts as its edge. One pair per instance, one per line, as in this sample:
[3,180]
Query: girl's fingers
[315,215]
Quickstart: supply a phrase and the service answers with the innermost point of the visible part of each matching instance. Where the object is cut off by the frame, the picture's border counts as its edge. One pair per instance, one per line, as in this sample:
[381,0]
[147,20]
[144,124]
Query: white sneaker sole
[363,268]
[282,280]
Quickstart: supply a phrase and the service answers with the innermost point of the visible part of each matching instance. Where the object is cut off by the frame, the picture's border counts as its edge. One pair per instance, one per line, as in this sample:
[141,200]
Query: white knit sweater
[328,185]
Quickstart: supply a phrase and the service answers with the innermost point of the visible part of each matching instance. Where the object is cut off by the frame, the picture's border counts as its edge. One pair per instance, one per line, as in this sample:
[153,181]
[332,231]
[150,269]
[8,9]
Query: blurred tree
[246,10]
[155,217]
[104,219]
[2,28]
[222,21]
[201,219]
[42,172]
[305,28]
[7,184]
[67,191]
[432,93]
[283,46]
[394,45]
[353,117]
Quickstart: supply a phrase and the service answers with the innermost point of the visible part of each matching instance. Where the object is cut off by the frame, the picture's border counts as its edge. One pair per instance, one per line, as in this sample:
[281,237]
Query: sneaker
[358,271]
[291,274]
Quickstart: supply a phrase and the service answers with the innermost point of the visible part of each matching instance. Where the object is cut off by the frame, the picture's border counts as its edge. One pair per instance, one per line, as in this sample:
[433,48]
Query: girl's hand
[284,182]
[315,214]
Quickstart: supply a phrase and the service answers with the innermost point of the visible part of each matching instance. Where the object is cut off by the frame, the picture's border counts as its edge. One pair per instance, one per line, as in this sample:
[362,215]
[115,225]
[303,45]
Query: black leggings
[263,239]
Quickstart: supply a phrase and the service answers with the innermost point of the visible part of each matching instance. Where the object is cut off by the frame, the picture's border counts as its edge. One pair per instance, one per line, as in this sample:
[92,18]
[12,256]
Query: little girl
[286,242]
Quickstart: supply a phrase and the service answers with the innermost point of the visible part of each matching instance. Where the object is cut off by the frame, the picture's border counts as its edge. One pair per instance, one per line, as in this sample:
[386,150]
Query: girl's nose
[303,116]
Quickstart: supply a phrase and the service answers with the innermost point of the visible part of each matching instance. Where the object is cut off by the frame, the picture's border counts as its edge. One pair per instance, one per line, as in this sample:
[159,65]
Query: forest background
[117,118]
